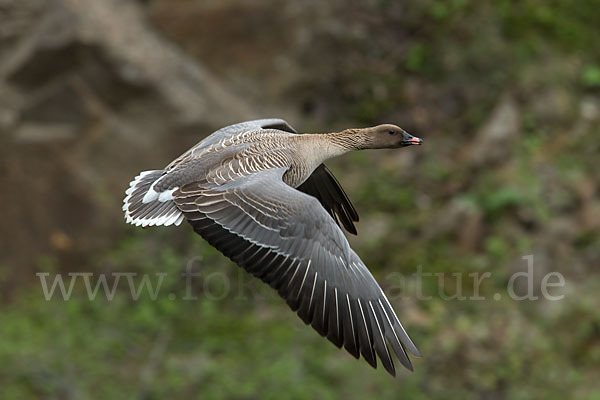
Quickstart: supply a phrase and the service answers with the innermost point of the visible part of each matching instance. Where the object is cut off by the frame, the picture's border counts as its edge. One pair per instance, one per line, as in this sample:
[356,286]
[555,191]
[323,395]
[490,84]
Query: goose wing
[285,238]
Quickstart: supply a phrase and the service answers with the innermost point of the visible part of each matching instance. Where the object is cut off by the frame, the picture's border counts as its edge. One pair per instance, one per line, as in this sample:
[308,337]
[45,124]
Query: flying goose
[259,192]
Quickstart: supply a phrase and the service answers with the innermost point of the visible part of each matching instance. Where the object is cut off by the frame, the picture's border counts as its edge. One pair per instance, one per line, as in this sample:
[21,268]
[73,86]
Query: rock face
[494,140]
[90,95]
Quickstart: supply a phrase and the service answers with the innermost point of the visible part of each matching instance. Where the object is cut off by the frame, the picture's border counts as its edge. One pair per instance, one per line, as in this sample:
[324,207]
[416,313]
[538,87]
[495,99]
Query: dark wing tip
[415,352]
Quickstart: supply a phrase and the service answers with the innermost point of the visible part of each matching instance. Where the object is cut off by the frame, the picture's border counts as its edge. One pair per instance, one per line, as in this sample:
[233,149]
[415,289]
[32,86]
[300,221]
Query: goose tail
[143,206]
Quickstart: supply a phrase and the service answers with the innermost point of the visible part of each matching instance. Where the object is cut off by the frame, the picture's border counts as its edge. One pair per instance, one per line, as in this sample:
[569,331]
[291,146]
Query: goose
[258,191]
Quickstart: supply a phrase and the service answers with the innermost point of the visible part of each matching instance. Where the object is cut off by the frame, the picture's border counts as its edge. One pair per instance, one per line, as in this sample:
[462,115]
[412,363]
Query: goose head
[386,136]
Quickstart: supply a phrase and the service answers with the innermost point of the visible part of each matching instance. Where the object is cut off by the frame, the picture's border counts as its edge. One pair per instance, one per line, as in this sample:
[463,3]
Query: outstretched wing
[285,238]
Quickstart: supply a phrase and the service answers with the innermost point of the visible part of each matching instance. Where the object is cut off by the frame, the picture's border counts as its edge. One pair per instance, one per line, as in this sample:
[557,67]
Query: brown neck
[348,139]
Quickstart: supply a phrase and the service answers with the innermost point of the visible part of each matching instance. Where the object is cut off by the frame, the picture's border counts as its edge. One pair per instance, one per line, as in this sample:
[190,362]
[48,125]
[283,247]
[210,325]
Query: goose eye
[392,132]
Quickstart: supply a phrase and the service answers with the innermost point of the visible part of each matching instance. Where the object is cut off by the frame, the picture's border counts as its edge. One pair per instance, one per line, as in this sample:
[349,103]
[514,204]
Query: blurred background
[505,94]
